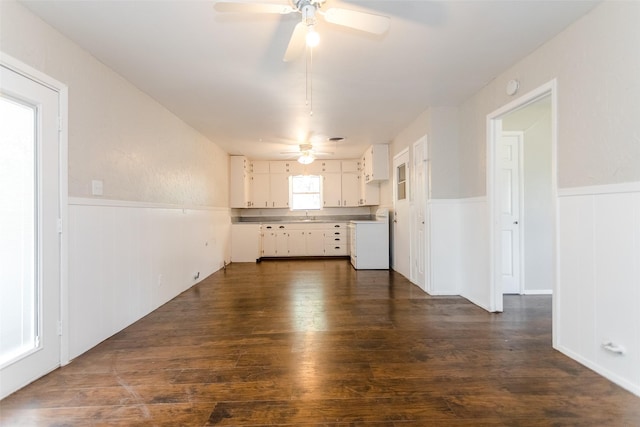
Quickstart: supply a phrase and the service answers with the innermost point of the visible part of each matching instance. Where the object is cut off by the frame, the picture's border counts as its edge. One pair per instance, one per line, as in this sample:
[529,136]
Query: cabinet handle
[337,240]
[337,226]
[282,226]
[269,227]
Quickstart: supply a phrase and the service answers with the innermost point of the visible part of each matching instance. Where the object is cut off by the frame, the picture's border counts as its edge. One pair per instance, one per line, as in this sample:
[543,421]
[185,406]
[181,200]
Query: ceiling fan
[306,154]
[304,32]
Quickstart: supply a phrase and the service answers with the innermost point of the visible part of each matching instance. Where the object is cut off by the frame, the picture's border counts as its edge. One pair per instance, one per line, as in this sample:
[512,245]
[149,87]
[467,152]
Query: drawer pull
[337,226]
[337,239]
[282,226]
[337,233]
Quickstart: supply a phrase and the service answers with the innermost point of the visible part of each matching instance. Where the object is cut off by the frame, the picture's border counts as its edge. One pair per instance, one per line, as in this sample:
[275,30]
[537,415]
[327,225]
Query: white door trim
[494,130]
[63,134]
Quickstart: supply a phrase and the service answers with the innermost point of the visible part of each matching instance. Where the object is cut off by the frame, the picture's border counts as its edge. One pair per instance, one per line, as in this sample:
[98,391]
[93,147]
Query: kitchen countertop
[300,219]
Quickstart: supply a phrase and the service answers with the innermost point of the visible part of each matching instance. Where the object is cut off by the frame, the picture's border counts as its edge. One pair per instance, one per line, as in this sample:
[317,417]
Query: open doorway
[522,195]
[527,248]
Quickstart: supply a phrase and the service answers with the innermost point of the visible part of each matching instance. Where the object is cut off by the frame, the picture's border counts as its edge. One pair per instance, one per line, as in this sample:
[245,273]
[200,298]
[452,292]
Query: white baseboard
[611,376]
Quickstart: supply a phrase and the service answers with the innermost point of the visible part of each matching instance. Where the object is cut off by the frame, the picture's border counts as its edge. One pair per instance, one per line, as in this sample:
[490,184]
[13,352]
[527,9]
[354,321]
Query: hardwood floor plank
[316,343]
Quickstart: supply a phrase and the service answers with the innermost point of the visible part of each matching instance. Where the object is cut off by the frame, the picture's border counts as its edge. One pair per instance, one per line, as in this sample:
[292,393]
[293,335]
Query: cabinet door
[297,243]
[314,242]
[370,193]
[331,166]
[260,166]
[350,189]
[331,190]
[350,166]
[260,190]
[367,164]
[269,240]
[282,243]
[279,183]
[239,182]
[278,167]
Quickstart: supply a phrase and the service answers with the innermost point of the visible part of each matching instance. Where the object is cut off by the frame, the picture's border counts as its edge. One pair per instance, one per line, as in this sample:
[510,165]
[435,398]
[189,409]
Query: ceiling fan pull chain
[311,82]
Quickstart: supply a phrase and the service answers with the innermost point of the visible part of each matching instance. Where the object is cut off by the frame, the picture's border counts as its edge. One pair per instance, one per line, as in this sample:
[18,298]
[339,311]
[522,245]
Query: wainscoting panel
[445,247]
[127,259]
[598,296]
[460,248]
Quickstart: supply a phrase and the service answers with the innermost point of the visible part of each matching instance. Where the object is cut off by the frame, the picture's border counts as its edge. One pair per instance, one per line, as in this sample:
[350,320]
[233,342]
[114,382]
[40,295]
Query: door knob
[515,222]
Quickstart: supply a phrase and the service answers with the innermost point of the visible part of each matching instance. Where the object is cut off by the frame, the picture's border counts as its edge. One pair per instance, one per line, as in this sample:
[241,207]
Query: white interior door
[401,216]
[511,205]
[419,214]
[30,243]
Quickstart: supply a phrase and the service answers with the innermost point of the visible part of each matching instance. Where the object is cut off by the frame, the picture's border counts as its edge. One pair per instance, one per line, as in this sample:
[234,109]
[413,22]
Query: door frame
[39,77]
[494,132]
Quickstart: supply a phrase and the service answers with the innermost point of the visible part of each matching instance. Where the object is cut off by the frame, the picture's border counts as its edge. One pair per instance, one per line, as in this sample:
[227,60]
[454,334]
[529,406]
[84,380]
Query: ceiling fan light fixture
[306,158]
[313,38]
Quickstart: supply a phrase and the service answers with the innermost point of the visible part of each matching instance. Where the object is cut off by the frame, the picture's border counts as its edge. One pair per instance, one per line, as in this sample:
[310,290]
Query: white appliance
[369,242]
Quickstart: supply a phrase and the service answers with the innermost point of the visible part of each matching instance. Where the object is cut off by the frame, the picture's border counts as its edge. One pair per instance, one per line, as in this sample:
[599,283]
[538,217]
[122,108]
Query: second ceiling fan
[304,32]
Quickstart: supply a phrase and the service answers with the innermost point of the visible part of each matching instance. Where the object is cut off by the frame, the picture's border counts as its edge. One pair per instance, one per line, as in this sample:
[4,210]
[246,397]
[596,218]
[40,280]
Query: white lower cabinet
[304,239]
[335,240]
[275,241]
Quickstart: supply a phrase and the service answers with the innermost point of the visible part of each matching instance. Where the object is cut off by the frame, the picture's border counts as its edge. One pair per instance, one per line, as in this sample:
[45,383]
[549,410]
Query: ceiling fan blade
[297,43]
[363,21]
[223,6]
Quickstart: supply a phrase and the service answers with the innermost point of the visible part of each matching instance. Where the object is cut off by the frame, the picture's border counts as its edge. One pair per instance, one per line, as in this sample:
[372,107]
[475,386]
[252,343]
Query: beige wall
[440,124]
[597,63]
[117,134]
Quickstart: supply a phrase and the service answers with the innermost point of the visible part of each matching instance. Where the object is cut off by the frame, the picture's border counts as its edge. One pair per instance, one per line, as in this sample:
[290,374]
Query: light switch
[96,187]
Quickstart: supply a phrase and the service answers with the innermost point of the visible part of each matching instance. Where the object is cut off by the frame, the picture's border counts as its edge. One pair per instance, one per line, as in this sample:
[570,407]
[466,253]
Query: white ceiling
[223,73]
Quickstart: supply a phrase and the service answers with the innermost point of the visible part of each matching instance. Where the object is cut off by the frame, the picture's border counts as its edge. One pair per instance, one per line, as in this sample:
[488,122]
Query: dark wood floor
[315,343]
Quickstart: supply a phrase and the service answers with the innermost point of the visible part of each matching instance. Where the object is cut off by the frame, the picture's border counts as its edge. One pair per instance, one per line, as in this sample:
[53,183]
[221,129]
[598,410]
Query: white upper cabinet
[330,166]
[279,190]
[346,183]
[332,190]
[239,182]
[260,166]
[375,163]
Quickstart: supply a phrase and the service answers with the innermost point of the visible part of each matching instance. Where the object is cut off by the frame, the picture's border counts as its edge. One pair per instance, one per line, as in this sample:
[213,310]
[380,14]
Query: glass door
[30,245]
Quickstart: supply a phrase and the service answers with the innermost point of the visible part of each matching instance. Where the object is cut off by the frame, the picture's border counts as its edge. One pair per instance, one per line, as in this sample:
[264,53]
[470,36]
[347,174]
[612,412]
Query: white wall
[596,64]
[130,258]
[117,134]
[599,276]
[596,67]
[165,188]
